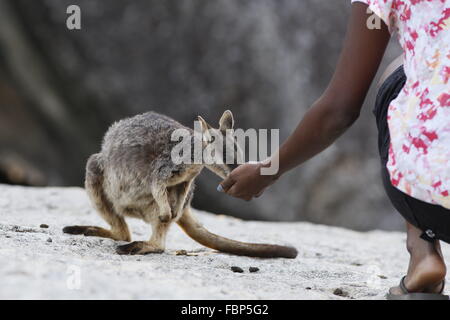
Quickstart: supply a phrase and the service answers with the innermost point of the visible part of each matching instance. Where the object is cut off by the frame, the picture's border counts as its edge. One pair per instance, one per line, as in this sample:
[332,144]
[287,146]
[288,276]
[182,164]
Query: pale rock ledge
[44,263]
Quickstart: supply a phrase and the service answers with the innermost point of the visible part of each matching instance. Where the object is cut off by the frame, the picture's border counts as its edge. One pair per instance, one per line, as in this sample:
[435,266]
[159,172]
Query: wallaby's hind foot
[139,247]
[91,231]
[157,243]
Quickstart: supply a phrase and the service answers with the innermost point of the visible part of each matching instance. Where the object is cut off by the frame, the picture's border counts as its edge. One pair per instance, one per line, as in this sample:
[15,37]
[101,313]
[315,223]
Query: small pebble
[382,277]
[340,292]
[44,226]
[253,269]
[237,269]
[49,240]
[308,288]
[181,253]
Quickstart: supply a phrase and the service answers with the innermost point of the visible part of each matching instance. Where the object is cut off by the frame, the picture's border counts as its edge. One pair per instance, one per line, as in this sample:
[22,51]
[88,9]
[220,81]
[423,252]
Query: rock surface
[333,263]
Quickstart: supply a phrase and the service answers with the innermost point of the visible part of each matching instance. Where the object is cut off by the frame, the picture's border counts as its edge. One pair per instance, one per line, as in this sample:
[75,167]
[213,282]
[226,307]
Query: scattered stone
[49,240]
[340,292]
[181,253]
[253,269]
[357,264]
[318,254]
[308,288]
[237,269]
[382,277]
[44,226]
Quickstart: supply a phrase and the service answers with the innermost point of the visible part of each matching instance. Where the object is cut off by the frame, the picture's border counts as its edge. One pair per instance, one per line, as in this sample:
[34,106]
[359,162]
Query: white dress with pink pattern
[419,118]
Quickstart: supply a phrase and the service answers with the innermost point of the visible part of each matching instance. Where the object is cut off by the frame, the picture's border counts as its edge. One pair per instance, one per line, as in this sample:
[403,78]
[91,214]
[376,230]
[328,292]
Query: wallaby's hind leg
[156,244]
[94,188]
[93,231]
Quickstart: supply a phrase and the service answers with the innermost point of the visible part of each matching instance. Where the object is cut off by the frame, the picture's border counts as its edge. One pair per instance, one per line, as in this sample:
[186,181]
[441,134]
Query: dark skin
[327,119]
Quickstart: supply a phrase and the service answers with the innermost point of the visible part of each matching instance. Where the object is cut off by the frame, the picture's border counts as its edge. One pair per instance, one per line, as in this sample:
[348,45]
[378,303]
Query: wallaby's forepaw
[165,218]
[138,247]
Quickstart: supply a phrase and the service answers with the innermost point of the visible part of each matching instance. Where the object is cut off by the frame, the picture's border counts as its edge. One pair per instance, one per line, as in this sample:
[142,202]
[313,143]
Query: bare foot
[426,272]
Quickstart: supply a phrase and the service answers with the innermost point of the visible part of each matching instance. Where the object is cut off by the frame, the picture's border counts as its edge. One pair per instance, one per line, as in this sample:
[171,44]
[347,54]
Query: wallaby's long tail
[197,232]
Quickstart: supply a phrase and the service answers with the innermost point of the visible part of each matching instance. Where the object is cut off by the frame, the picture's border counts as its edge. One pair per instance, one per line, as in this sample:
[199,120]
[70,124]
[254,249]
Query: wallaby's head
[221,144]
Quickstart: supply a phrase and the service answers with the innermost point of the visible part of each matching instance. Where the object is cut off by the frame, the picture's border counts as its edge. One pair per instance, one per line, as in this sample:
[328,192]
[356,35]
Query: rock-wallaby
[134,176]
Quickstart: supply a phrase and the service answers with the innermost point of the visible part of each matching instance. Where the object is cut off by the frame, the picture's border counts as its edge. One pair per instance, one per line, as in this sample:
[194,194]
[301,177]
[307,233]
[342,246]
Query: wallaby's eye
[208,138]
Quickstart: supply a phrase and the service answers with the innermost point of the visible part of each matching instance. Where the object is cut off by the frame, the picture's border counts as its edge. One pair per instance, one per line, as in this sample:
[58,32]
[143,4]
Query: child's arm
[332,114]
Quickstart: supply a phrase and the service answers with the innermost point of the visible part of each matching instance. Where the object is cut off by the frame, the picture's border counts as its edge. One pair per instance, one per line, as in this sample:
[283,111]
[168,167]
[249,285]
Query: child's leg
[426,267]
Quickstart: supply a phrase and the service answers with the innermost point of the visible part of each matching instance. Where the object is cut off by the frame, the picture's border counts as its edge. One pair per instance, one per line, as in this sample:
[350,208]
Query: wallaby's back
[141,145]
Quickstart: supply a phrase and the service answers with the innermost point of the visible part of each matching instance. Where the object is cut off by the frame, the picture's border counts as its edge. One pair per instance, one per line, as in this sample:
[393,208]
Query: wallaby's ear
[226,122]
[205,128]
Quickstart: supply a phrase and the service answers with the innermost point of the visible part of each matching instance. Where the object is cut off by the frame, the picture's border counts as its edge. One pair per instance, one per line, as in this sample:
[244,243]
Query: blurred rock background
[265,60]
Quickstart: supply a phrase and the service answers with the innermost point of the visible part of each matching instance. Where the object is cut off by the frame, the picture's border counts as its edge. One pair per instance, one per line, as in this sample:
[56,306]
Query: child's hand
[246,182]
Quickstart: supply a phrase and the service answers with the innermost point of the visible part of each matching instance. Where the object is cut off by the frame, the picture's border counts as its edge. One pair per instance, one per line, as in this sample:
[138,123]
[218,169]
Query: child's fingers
[233,191]
[260,193]
[225,185]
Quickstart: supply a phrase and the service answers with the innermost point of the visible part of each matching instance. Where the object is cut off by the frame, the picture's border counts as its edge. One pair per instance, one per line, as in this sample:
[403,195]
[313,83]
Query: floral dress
[419,118]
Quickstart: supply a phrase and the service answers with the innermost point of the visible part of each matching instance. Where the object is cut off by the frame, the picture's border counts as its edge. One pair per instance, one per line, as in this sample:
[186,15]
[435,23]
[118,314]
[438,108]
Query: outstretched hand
[246,182]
